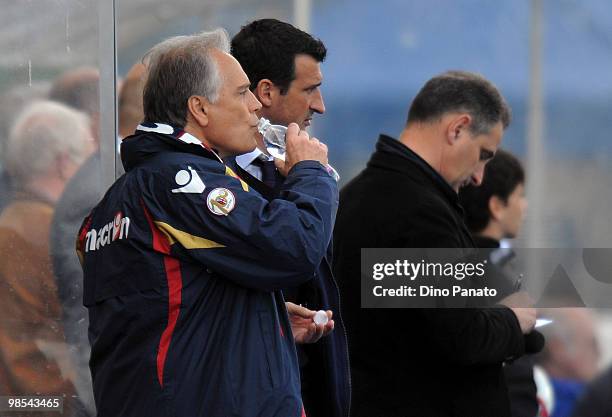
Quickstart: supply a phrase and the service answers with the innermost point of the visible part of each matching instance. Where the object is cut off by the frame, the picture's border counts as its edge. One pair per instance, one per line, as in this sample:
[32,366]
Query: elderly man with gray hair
[46,146]
[183,261]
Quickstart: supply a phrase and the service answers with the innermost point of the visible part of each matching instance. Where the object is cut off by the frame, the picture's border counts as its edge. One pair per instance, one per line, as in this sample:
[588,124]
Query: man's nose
[317,104]
[255,105]
[478,176]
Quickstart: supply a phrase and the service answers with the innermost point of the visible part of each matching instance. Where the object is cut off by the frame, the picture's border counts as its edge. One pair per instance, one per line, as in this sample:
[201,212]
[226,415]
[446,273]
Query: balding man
[571,357]
[47,144]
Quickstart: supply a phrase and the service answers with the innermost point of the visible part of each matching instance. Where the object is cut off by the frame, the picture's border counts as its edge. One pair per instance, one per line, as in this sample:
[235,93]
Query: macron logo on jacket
[118,228]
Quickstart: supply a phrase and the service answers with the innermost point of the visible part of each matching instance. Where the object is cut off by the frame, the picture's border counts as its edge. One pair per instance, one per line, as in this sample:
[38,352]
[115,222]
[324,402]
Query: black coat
[522,389]
[596,401]
[416,362]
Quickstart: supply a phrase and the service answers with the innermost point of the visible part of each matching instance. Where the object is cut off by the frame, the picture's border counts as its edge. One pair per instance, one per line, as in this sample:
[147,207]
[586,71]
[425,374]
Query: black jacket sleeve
[475,336]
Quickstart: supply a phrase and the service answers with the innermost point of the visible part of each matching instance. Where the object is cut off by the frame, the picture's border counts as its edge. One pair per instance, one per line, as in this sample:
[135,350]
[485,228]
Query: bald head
[48,140]
[130,109]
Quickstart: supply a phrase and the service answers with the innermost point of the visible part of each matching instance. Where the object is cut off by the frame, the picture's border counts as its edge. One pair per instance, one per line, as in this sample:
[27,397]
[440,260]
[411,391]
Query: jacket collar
[393,155]
[247,159]
[151,139]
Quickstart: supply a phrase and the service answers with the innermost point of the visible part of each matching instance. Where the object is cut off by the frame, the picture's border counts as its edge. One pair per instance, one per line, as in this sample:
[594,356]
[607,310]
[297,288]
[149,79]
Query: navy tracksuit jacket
[183,263]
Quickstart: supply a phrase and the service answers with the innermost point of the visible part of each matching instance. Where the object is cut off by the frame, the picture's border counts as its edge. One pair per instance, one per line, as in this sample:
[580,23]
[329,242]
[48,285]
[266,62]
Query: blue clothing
[324,366]
[183,263]
[567,392]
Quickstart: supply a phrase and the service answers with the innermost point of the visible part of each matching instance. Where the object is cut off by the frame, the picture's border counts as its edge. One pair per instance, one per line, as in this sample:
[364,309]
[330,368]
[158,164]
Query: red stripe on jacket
[175,287]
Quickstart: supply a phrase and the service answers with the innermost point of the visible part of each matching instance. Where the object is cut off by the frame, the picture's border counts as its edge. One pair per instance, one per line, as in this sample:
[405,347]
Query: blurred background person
[571,356]
[596,400]
[495,211]
[12,103]
[130,105]
[80,89]
[79,197]
[47,144]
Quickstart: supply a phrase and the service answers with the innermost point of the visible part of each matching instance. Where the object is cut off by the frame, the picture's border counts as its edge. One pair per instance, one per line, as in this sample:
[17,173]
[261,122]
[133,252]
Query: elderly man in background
[12,102]
[571,356]
[47,144]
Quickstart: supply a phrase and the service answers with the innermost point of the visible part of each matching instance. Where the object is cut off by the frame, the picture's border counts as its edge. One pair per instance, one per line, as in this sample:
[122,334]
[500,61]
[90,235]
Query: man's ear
[198,108]
[496,207]
[457,127]
[265,91]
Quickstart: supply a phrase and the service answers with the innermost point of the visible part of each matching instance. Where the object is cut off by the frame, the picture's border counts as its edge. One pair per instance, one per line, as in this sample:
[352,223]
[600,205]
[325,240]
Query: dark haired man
[283,64]
[495,211]
[427,362]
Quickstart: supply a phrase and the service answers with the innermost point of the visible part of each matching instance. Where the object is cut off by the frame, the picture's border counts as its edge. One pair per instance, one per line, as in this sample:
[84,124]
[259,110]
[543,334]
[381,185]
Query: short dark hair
[501,177]
[267,48]
[461,91]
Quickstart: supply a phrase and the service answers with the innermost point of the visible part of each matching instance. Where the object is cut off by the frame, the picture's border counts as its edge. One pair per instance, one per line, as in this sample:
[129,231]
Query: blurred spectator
[80,196]
[130,100]
[494,211]
[11,103]
[596,400]
[45,148]
[571,356]
[6,189]
[80,89]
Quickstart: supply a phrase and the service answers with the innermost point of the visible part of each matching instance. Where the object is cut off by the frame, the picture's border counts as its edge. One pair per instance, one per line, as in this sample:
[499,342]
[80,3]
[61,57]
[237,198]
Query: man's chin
[465,183]
[248,149]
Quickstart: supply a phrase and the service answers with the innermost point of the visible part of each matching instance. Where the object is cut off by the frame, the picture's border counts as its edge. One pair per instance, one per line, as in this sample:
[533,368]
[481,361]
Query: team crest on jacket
[189,181]
[221,201]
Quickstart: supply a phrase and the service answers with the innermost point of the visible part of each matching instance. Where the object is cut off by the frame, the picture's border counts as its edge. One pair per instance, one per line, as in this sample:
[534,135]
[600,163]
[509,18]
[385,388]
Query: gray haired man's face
[232,122]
